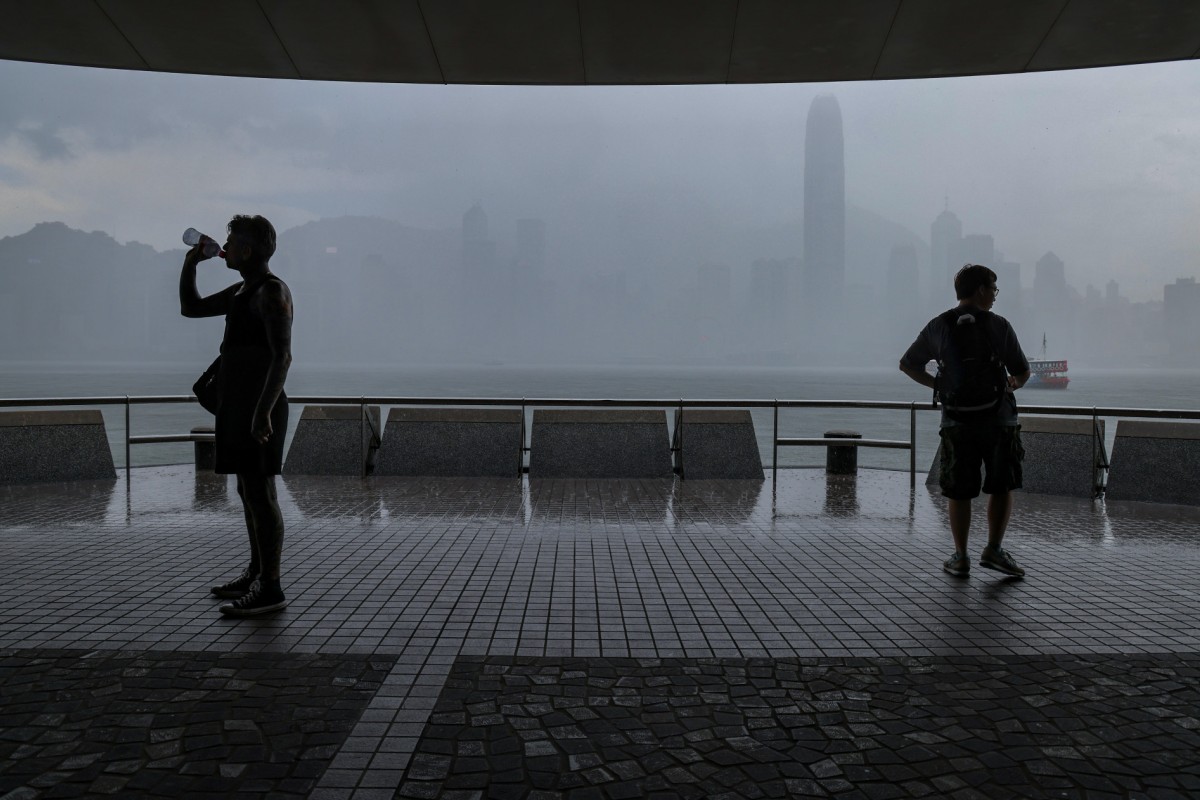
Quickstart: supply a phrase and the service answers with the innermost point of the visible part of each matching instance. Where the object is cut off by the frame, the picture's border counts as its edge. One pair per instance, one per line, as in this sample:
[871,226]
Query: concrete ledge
[1155,462]
[333,440]
[451,442]
[1059,459]
[716,444]
[580,443]
[1063,456]
[45,446]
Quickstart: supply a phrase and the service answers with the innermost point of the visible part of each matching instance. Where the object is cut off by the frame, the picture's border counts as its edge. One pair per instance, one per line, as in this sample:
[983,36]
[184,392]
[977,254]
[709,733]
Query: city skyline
[372,290]
[1096,165]
[824,259]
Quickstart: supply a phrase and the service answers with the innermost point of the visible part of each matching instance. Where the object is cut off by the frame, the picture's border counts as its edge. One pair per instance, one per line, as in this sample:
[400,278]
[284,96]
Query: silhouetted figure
[980,366]
[252,410]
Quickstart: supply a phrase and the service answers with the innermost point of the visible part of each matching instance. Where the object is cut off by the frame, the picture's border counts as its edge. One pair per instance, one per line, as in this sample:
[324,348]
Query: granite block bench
[584,443]
[59,445]
[1063,456]
[334,440]
[452,442]
[1155,462]
[716,444]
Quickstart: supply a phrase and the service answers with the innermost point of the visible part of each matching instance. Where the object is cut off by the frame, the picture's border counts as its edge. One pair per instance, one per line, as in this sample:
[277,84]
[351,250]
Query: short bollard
[206,451]
[841,460]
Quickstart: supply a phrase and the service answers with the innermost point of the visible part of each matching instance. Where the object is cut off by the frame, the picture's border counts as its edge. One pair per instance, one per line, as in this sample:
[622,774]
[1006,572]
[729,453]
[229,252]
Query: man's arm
[1015,361]
[919,352]
[191,304]
[921,376]
[275,305]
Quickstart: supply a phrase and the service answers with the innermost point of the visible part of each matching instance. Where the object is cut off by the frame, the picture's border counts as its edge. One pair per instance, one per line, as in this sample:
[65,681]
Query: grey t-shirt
[934,340]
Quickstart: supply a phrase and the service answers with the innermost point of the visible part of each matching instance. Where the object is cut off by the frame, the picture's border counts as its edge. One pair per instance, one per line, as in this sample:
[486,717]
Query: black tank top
[245,353]
[243,324]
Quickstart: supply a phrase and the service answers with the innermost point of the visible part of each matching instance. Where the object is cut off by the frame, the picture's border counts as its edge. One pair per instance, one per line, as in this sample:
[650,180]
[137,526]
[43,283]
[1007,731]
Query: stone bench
[1155,462]
[579,443]
[334,440]
[45,446]
[451,442]
[716,444]
[1063,456]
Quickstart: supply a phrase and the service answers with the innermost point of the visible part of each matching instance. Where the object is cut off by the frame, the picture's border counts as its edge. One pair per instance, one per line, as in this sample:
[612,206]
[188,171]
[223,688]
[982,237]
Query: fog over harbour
[643,225]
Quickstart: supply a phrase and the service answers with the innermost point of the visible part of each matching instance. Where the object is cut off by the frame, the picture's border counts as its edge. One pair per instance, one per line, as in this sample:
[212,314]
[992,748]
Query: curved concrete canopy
[598,41]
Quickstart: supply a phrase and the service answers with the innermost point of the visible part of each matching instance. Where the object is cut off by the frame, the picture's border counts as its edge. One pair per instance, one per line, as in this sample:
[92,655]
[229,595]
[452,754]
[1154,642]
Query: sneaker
[259,600]
[236,587]
[958,565]
[1001,561]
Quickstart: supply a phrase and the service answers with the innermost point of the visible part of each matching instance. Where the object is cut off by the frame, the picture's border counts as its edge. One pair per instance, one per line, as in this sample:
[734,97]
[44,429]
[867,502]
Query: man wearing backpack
[980,366]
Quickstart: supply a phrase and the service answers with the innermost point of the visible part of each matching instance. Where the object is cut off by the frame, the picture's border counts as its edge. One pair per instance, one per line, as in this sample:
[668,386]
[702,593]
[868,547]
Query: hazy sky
[1100,166]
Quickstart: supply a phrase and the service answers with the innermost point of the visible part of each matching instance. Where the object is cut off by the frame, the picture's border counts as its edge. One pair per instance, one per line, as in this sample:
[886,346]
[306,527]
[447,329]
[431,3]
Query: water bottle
[193,237]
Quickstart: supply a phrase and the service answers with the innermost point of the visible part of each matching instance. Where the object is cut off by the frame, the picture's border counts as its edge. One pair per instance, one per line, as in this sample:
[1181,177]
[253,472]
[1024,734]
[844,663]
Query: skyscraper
[902,276]
[824,205]
[1112,292]
[903,291]
[478,253]
[1050,279]
[1008,276]
[974,248]
[1181,313]
[944,236]
[531,248]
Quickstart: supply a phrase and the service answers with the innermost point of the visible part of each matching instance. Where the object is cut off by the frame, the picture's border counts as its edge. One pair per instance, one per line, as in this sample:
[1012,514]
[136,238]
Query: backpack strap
[982,319]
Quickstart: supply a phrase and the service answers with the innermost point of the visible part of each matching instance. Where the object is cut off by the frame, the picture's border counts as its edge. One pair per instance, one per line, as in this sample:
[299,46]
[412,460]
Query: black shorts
[968,450]
[238,452]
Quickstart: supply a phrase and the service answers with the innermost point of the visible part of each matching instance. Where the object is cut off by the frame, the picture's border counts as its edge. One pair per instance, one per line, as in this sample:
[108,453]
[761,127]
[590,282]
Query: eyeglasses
[995,290]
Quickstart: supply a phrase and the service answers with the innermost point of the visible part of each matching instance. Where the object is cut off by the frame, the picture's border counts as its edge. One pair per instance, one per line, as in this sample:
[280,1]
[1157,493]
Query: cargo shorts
[969,450]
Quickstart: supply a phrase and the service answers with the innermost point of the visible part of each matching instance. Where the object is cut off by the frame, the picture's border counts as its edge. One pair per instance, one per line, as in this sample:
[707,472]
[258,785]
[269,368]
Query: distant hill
[70,295]
[348,241]
[373,290]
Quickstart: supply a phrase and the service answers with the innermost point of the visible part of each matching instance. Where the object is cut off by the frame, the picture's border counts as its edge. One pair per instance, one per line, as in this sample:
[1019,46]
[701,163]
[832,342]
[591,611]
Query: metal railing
[524,403]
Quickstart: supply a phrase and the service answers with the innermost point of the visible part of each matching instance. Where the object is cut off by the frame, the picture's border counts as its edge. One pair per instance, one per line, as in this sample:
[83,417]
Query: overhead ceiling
[598,41]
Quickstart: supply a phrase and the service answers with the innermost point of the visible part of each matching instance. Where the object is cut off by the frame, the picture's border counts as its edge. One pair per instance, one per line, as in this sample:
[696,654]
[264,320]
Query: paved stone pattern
[428,571]
[77,723]
[878,728]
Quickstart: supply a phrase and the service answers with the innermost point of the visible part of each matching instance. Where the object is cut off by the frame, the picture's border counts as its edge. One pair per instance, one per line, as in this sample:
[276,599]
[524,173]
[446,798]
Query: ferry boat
[1047,374]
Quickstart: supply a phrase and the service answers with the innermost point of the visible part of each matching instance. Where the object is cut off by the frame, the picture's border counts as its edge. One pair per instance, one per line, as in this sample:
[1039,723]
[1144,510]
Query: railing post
[128,433]
[679,438]
[362,436]
[912,446]
[775,450]
[521,446]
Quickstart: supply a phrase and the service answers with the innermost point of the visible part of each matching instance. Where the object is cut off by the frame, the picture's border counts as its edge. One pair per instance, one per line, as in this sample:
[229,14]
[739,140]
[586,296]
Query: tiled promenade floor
[599,639]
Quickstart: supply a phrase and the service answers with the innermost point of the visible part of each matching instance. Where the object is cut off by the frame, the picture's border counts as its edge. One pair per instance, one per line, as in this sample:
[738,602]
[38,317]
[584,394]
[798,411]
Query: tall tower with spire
[945,245]
[824,205]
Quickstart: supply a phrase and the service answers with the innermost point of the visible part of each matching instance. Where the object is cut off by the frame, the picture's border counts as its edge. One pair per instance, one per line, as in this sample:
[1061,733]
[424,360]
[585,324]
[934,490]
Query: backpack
[971,380]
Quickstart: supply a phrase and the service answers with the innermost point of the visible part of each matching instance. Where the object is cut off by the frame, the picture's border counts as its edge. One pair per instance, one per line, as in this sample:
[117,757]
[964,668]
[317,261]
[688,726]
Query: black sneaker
[259,600]
[236,587]
[958,565]
[1001,561]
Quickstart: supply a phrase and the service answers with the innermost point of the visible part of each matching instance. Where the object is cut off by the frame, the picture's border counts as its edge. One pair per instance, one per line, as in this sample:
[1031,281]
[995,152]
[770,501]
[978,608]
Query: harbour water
[1103,388]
